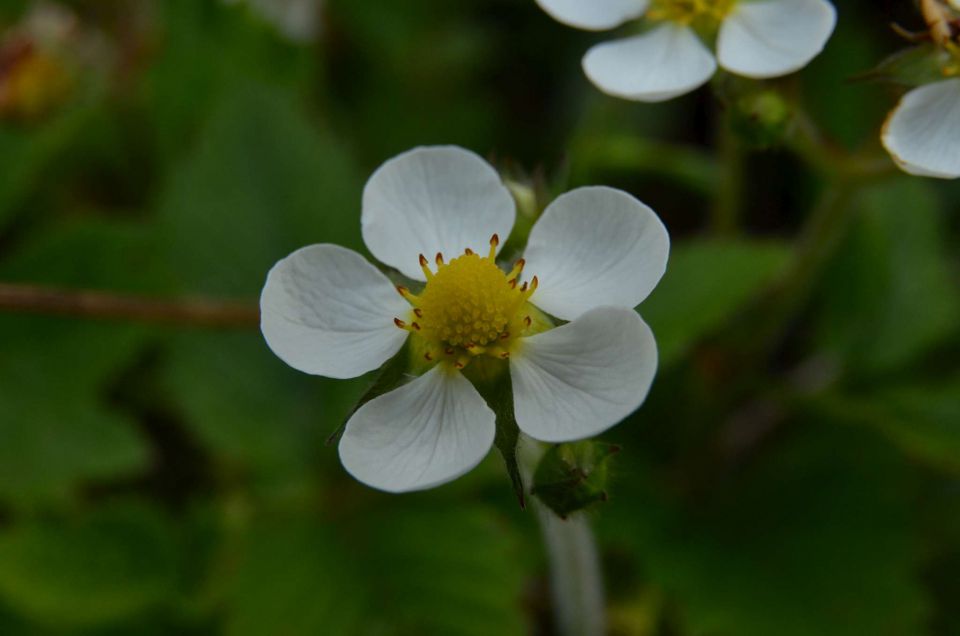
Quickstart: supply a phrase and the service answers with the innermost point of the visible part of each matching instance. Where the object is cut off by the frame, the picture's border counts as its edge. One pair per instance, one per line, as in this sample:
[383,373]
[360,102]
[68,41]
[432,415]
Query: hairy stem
[99,305]
[576,579]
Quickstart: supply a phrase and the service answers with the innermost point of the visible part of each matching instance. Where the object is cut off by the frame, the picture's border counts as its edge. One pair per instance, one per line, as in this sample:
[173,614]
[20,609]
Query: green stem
[576,579]
[817,244]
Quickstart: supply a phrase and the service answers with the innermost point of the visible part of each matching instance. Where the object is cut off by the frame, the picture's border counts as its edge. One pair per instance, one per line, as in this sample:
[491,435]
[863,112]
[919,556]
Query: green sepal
[388,377]
[498,394]
[573,476]
[911,67]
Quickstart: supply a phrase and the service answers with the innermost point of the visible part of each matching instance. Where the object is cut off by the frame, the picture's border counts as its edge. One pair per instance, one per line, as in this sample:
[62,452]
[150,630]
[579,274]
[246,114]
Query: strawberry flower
[436,215]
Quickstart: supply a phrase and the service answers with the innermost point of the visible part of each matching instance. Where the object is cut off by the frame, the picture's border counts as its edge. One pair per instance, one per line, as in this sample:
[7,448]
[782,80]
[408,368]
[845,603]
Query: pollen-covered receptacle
[469,306]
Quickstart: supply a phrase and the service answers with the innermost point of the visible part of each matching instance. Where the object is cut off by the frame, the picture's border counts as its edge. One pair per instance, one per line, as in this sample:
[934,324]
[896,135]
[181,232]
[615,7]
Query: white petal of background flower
[923,133]
[653,67]
[580,379]
[769,38]
[326,310]
[593,15]
[419,436]
[433,199]
[595,246]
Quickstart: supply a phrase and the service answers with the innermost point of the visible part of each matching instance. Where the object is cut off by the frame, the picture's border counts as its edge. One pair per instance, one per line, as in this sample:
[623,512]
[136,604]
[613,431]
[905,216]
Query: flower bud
[573,476]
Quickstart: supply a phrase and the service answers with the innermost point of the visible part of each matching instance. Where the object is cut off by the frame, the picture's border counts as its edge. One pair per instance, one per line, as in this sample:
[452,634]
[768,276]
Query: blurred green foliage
[165,480]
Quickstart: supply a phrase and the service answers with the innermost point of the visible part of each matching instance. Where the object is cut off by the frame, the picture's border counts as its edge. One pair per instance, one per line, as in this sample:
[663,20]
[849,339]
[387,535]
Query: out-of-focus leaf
[55,427]
[398,572]
[924,420]
[26,153]
[817,538]
[256,412]
[706,283]
[914,66]
[430,584]
[294,579]
[106,566]
[889,296]
[208,48]
[263,183]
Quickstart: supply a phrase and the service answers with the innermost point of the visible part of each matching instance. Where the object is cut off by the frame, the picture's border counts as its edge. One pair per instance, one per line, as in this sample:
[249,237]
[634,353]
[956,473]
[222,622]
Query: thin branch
[98,305]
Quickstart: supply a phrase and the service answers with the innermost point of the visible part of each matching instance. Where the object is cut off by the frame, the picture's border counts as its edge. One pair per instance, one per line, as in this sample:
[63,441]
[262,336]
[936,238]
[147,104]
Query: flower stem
[198,312]
[576,579]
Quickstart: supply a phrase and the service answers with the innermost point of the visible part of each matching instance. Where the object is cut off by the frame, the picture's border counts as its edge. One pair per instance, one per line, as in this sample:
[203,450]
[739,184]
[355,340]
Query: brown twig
[199,312]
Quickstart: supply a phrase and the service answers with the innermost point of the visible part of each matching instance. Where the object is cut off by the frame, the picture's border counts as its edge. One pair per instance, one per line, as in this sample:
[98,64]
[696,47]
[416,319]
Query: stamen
[428,356]
[449,351]
[415,326]
[412,298]
[517,268]
[527,321]
[468,252]
[494,242]
[418,312]
[424,266]
[439,259]
[474,349]
[403,325]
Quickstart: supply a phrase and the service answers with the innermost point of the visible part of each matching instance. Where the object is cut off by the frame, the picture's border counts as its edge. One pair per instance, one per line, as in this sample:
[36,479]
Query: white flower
[754,38]
[597,253]
[922,134]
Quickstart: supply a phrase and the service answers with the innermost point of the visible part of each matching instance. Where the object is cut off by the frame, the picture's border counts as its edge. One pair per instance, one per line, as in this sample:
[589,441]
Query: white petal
[595,246]
[433,199]
[593,15]
[923,133]
[421,435]
[325,310]
[580,379]
[769,38]
[653,67]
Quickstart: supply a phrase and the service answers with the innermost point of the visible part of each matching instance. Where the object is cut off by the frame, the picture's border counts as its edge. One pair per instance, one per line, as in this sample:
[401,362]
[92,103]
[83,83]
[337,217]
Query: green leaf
[706,283]
[56,430]
[889,296]
[109,565]
[262,183]
[294,579]
[430,582]
[914,66]
[388,570]
[817,537]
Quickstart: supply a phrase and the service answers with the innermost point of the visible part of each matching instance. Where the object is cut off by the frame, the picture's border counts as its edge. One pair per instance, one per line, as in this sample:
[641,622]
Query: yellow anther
[424,265]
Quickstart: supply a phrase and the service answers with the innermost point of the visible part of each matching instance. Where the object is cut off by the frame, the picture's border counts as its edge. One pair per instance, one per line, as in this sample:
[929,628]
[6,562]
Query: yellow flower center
[686,12]
[469,307]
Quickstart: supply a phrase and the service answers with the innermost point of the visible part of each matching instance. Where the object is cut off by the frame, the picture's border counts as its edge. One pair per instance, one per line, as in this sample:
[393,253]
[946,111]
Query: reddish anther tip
[428,356]
[418,312]
[495,240]
[527,321]
[468,251]
[399,323]
[449,351]
[519,264]
[415,326]
[423,261]
[439,258]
